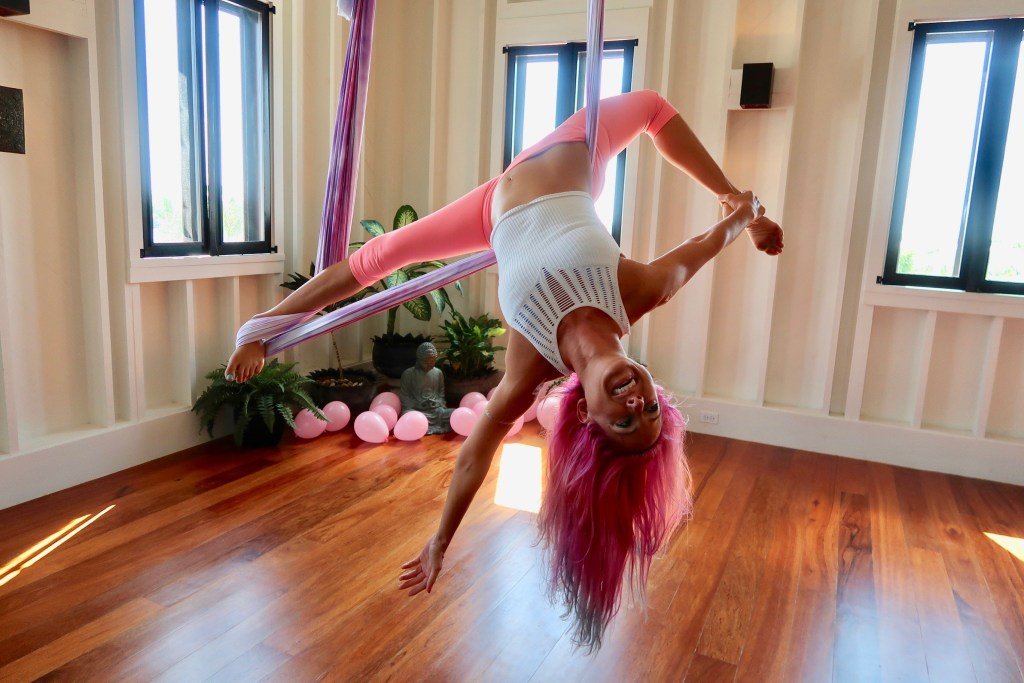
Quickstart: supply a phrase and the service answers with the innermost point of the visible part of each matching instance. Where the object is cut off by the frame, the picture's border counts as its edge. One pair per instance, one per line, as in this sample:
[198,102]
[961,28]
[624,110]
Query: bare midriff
[563,167]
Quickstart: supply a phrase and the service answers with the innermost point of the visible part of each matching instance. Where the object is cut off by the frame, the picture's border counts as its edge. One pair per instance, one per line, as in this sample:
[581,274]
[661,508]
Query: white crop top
[554,256]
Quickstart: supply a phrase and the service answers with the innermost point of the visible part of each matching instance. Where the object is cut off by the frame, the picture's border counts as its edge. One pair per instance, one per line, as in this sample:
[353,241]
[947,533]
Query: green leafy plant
[420,307]
[468,345]
[270,395]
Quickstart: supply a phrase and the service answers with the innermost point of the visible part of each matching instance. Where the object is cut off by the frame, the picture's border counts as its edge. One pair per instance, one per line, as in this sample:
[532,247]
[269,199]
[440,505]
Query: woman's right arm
[508,403]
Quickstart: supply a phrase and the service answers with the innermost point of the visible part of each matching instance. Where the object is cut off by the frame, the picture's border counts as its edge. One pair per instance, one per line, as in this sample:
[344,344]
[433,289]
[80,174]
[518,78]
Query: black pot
[455,389]
[357,398]
[257,435]
[394,356]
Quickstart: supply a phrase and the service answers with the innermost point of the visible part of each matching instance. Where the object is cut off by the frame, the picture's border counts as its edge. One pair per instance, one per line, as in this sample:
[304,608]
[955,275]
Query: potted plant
[468,356]
[261,406]
[355,388]
[392,353]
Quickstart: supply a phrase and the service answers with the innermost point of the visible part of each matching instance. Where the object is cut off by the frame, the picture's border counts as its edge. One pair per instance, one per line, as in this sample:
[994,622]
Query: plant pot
[455,389]
[357,398]
[394,355]
[258,436]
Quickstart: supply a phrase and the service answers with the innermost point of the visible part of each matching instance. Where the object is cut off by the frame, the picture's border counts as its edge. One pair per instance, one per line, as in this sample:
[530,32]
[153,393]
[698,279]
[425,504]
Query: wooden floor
[282,564]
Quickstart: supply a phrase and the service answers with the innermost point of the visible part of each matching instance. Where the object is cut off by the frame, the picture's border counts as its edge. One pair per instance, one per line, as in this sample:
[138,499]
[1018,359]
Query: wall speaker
[10,8]
[12,120]
[756,90]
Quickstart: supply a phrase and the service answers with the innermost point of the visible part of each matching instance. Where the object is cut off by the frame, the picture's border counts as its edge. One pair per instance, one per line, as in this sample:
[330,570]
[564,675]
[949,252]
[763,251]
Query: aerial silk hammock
[285,331]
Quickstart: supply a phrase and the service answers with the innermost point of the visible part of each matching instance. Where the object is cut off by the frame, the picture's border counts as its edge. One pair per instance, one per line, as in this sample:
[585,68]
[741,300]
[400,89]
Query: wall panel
[891,379]
[954,378]
[1006,415]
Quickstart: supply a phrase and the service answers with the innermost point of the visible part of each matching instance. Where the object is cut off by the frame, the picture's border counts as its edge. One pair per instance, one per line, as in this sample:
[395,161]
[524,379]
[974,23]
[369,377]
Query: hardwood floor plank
[728,621]
[857,656]
[704,669]
[81,640]
[945,649]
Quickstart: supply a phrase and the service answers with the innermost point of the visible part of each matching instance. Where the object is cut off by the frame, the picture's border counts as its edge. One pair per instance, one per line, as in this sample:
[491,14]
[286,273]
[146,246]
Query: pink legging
[464,226]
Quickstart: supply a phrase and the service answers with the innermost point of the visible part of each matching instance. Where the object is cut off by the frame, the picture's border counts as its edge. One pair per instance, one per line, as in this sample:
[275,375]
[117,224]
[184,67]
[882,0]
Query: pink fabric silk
[341,182]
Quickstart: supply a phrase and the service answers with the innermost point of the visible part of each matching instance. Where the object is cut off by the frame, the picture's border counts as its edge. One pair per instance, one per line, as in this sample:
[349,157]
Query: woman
[617,483]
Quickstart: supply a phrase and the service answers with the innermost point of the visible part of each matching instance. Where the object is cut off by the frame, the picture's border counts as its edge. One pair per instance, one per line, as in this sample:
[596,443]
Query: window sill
[944,300]
[166,268]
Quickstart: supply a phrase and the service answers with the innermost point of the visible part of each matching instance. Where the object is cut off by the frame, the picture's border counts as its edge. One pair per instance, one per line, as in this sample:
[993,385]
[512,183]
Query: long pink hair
[607,513]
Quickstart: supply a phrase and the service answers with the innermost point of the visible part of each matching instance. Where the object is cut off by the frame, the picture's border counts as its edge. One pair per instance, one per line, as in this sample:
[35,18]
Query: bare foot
[246,362]
[766,235]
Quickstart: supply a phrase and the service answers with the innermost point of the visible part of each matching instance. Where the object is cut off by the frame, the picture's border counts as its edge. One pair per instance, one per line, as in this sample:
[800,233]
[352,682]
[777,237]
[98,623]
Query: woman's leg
[454,230]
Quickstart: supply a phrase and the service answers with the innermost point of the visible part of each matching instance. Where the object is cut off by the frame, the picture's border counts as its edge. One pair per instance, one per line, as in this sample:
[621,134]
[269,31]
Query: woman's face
[622,400]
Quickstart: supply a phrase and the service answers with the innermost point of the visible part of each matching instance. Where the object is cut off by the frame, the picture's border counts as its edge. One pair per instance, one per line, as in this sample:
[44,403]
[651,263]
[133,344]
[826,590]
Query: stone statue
[422,389]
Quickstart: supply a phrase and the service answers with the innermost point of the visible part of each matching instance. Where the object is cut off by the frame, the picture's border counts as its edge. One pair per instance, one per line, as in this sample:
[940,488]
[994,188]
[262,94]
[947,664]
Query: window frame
[569,99]
[983,191]
[204,113]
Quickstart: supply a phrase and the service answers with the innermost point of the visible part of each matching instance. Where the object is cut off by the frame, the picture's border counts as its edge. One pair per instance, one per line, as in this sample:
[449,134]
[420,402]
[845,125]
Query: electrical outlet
[709,418]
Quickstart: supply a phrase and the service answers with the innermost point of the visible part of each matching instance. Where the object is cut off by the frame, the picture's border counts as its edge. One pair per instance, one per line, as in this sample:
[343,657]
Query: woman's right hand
[423,570]
[742,200]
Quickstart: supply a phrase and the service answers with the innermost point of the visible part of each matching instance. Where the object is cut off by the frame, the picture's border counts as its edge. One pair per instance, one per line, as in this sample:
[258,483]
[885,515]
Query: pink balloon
[462,421]
[370,426]
[411,426]
[388,398]
[338,415]
[389,414]
[547,411]
[479,407]
[308,425]
[531,413]
[490,394]
[517,426]
[471,399]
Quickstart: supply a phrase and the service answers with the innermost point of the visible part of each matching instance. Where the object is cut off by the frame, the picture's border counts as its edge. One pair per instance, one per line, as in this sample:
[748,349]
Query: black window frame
[569,99]
[982,193]
[199,61]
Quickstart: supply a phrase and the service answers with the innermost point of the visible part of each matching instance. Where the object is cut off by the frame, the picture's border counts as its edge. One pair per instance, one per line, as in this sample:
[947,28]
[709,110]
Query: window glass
[167,103]
[1006,255]
[241,130]
[943,157]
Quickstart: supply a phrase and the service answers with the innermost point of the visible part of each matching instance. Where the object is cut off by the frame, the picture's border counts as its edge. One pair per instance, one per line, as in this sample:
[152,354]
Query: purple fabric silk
[341,182]
[339,197]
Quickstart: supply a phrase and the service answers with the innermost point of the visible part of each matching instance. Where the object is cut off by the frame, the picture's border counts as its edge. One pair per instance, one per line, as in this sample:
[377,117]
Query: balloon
[389,414]
[531,413]
[471,399]
[462,421]
[490,394]
[516,427]
[337,414]
[370,426]
[308,425]
[479,407]
[547,411]
[389,398]
[411,426]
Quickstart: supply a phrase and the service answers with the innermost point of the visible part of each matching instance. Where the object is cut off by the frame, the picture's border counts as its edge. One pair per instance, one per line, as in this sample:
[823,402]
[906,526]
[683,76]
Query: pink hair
[606,512]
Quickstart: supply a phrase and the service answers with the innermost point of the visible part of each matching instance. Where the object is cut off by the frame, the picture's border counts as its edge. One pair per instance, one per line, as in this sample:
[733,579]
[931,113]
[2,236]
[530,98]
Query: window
[956,219]
[545,86]
[204,126]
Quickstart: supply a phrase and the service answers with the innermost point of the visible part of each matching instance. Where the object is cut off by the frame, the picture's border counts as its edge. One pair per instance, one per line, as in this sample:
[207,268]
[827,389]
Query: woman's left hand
[423,570]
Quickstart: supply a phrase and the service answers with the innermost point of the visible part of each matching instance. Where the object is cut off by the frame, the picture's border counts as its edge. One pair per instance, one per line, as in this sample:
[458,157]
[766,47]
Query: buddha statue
[422,389]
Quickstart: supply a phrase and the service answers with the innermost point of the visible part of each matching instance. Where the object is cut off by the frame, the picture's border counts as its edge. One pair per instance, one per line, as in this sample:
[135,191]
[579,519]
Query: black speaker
[10,8]
[12,120]
[756,91]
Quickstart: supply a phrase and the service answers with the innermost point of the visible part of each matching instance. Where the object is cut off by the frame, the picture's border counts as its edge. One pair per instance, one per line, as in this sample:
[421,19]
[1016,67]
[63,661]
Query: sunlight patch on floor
[519,475]
[47,546]
[1014,545]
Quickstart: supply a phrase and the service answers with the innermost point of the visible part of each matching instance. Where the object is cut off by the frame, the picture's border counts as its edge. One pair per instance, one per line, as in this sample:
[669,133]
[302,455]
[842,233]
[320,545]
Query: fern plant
[268,396]
[469,347]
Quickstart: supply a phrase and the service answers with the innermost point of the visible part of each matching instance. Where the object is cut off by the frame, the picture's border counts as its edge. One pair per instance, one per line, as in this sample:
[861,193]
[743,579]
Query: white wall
[101,354]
